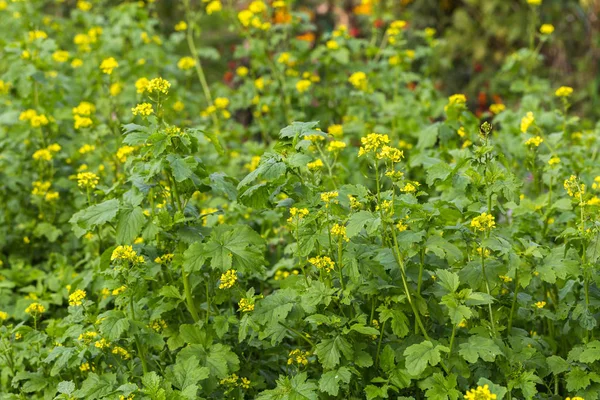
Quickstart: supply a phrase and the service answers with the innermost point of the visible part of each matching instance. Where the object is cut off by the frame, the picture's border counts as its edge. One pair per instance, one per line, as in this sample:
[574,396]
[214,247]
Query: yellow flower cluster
[564,91]
[372,142]
[322,262]
[42,189]
[481,393]
[281,274]
[127,254]
[483,222]
[85,367]
[181,26]
[86,148]
[456,100]
[335,130]
[303,85]
[35,308]
[158,325]
[102,344]
[75,298]
[394,30]
[534,2]
[3,315]
[505,279]
[540,304]
[143,109]
[338,230]
[165,258]
[124,354]
[47,153]
[246,305]
[483,252]
[314,165]
[336,146]
[526,121]
[158,85]
[228,279]
[554,161]
[573,186]
[234,380]
[390,153]
[88,337]
[298,357]
[213,7]
[296,214]
[410,187]
[60,56]
[359,80]
[82,113]
[108,65]
[251,16]
[35,120]
[123,152]
[119,290]
[497,108]
[575,398]
[329,197]
[87,180]
[534,141]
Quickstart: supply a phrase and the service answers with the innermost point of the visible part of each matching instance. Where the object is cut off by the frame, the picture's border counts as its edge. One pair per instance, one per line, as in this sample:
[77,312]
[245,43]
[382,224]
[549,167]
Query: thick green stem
[487,288]
[514,303]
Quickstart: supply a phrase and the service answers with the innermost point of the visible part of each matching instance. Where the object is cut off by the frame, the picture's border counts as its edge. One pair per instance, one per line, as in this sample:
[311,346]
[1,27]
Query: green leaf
[131,221]
[447,279]
[299,129]
[182,167]
[591,352]
[153,386]
[498,390]
[428,136]
[66,387]
[96,387]
[360,220]
[479,347]
[418,356]
[438,387]
[296,388]
[59,357]
[330,350]
[113,324]
[93,216]
[557,364]
[194,257]
[330,381]
[186,374]
[238,245]
[273,310]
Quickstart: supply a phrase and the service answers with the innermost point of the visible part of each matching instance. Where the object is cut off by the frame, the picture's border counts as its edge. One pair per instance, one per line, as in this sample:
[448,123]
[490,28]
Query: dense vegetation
[323,222]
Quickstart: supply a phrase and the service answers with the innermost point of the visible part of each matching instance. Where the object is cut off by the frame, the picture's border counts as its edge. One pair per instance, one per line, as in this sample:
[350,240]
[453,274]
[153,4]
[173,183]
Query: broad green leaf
[186,374]
[440,387]
[330,350]
[418,356]
[330,381]
[131,221]
[96,387]
[479,347]
[237,247]
[93,216]
[113,324]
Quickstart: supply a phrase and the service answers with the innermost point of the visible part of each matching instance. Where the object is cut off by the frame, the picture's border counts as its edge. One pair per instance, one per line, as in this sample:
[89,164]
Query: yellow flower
[257,7]
[76,63]
[87,180]
[322,262]
[390,153]
[82,122]
[329,197]
[335,130]
[241,71]
[213,7]
[297,214]
[575,398]
[336,146]
[481,393]
[119,290]
[303,85]
[410,187]
[317,164]
[124,253]
[554,160]
[259,83]
[246,305]
[102,344]
[540,304]
[181,26]
[108,65]
[141,85]
[143,109]
[60,56]
[358,80]
[158,85]
[526,121]
[298,357]
[178,106]
[547,29]
[123,152]
[228,279]
[186,63]
[158,325]
[253,164]
[505,279]
[115,89]
[372,142]
[332,45]
[456,100]
[534,2]
[573,187]
[3,315]
[76,297]
[42,155]
[33,35]
[340,231]
[35,308]
[84,108]
[497,108]
[124,354]
[84,5]
[221,102]
[245,17]
[534,141]
[563,91]
[483,222]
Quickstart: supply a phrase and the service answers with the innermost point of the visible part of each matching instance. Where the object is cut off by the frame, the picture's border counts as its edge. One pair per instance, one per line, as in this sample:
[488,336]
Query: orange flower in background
[364,8]
[282,16]
[307,37]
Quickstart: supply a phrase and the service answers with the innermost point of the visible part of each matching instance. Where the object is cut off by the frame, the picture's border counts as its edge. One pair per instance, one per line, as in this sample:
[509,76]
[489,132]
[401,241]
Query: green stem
[289,328]
[452,339]
[514,303]
[188,295]
[140,349]
[340,263]
[379,343]
[487,288]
